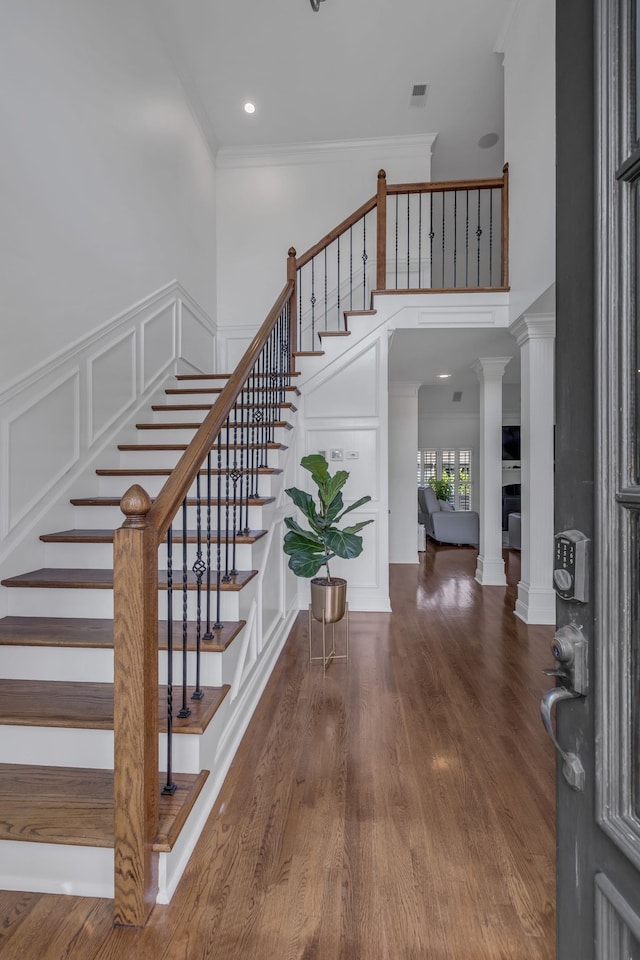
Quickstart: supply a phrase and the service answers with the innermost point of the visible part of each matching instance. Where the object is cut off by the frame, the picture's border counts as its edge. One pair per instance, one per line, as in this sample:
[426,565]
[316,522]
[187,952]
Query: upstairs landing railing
[426,237]
[446,237]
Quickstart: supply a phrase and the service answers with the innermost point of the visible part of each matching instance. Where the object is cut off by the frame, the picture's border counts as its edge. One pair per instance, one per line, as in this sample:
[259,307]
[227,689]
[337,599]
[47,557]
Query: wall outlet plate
[353,455]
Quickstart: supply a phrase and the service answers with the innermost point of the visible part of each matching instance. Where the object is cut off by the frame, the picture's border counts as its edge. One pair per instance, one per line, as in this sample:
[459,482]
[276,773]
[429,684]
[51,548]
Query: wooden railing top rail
[177,486]
[444,186]
[318,247]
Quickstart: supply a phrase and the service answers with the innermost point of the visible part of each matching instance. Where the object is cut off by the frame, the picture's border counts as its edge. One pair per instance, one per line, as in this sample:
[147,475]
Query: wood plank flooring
[402,808]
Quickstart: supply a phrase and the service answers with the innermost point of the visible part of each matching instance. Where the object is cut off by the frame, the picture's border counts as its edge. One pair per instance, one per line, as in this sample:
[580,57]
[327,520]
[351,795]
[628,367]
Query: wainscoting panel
[157,334]
[197,346]
[111,384]
[41,442]
[355,387]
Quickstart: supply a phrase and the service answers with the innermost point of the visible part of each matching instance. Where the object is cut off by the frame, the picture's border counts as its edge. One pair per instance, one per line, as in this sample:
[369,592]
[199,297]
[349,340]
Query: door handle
[572,768]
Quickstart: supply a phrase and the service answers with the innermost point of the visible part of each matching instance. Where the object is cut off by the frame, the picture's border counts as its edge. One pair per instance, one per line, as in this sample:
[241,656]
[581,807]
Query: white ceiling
[344,73]
[418,356]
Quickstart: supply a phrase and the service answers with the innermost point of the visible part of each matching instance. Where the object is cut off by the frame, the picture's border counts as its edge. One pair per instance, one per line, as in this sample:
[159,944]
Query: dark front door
[598,469]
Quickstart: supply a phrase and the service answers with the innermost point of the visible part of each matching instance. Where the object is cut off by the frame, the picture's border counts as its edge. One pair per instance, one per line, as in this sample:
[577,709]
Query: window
[448,464]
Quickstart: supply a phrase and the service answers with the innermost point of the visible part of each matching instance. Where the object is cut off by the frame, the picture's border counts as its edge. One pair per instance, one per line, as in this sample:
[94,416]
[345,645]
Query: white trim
[324,151]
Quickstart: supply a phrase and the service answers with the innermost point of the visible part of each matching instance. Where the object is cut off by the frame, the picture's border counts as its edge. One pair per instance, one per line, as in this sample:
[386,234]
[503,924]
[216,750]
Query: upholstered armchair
[444,524]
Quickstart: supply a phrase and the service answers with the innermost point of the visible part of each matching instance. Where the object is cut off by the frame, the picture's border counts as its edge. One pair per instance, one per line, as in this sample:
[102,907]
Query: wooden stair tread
[285,405]
[226,376]
[72,805]
[334,333]
[160,472]
[106,536]
[309,353]
[186,391]
[102,579]
[98,634]
[160,447]
[191,501]
[89,706]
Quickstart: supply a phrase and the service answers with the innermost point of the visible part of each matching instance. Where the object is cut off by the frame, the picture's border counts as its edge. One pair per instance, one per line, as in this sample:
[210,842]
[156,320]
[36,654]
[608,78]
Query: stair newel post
[381,222]
[136,791]
[292,277]
[504,273]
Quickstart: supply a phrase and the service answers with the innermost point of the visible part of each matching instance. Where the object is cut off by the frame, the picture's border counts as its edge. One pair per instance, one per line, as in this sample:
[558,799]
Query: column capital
[404,388]
[534,326]
[490,368]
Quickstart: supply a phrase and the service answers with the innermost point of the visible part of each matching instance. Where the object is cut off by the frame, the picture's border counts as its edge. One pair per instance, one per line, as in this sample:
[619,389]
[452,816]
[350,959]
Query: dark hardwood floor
[402,808]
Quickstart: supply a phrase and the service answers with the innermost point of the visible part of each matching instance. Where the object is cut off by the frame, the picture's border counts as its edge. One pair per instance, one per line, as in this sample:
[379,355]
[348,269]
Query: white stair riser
[197,416]
[82,665]
[117,486]
[167,459]
[108,518]
[101,555]
[289,395]
[42,602]
[56,868]
[70,747]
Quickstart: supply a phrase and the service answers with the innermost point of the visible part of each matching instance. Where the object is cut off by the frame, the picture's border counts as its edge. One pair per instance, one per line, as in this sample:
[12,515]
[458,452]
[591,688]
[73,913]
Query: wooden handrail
[318,247]
[177,486]
[444,186]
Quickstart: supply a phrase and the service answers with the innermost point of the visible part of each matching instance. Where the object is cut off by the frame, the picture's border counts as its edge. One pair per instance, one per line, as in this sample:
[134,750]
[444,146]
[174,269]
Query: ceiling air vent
[418,96]
[457,396]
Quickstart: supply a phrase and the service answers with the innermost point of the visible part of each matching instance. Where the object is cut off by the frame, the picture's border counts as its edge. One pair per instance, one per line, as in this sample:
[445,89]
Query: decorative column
[403,444]
[490,566]
[535,334]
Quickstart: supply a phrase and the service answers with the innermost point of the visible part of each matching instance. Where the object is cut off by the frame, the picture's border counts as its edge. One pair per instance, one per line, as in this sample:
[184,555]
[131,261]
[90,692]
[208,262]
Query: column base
[535,604]
[490,573]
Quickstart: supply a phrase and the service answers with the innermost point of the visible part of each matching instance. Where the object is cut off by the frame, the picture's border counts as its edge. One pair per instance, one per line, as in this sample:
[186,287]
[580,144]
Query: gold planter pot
[328,597]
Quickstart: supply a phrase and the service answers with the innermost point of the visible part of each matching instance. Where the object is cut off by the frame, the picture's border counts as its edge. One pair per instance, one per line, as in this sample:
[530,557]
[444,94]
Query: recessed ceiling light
[249,108]
[443,376]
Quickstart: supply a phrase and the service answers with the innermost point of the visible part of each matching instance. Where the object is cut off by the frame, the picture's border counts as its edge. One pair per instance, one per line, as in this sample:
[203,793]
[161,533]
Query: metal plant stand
[327,657]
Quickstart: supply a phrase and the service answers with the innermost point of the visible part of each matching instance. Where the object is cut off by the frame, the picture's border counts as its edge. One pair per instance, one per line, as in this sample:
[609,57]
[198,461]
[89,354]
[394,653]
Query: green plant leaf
[333,485]
[308,565]
[304,502]
[344,544]
[354,506]
[356,526]
[301,543]
[317,467]
[333,509]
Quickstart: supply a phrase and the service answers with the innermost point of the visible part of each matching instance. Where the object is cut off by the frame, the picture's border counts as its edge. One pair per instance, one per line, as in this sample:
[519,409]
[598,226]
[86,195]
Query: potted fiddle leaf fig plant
[311,550]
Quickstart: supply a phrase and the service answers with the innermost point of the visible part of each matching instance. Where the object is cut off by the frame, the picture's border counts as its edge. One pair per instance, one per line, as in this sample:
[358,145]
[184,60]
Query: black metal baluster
[235,476]
[244,479]
[364,262]
[455,238]
[339,321]
[208,635]
[419,241]
[185,709]
[478,235]
[466,244]
[170,787]
[312,301]
[326,326]
[408,238]
[431,236]
[254,436]
[199,568]
[490,238]
[350,268]
[218,623]
[226,578]
[300,346]
[396,232]
[443,235]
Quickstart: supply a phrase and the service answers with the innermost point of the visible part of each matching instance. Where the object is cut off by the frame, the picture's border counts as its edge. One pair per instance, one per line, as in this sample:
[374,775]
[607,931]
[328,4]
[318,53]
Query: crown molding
[324,151]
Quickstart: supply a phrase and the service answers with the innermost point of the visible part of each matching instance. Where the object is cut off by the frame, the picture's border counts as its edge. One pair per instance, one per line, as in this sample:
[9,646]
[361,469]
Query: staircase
[57,694]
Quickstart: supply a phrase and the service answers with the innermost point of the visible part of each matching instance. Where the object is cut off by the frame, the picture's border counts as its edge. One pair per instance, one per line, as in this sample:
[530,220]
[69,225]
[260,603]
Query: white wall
[269,202]
[108,187]
[529,132]
[403,437]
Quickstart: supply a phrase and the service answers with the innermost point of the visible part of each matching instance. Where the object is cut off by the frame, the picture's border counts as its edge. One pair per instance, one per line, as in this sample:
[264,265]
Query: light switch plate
[337,454]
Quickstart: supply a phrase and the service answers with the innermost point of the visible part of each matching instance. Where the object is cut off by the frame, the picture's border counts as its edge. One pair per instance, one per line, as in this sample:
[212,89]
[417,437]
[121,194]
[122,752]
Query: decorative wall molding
[325,151]
[104,378]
